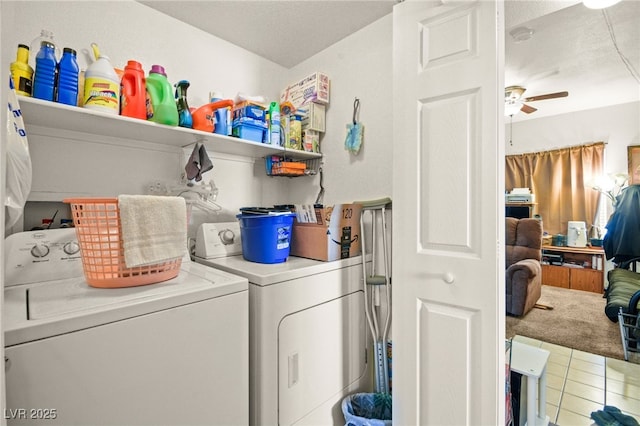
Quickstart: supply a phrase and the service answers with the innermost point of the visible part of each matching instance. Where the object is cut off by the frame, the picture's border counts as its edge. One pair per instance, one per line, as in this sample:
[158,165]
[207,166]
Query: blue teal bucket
[266,238]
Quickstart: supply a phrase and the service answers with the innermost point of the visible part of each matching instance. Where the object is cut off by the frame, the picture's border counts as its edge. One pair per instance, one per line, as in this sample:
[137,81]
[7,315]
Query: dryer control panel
[215,240]
[37,256]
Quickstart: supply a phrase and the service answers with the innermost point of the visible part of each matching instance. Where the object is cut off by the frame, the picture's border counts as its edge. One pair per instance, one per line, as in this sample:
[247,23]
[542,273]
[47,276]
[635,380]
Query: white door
[448,221]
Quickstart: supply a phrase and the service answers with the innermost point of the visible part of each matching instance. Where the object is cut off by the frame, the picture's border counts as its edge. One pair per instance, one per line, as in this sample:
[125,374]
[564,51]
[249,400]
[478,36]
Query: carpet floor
[577,321]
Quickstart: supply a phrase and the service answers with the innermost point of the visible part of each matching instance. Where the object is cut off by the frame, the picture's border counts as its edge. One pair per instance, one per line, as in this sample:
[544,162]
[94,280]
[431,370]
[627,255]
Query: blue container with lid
[266,238]
[68,71]
[44,80]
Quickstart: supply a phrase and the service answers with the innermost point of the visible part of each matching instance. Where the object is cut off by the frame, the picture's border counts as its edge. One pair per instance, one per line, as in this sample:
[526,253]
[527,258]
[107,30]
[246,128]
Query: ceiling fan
[514,102]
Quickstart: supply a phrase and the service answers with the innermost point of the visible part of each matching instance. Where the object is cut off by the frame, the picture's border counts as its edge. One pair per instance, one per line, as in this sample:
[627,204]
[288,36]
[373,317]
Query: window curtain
[561,181]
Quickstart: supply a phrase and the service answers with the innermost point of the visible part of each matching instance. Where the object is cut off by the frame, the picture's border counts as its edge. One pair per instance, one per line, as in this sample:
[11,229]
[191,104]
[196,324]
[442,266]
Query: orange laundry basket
[97,223]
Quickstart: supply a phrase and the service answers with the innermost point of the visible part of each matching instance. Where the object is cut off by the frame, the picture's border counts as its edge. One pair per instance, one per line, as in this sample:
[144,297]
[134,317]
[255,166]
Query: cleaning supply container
[266,238]
[101,85]
[21,72]
[204,118]
[223,115]
[162,106]
[133,95]
[98,229]
[44,81]
[184,114]
[274,124]
[68,72]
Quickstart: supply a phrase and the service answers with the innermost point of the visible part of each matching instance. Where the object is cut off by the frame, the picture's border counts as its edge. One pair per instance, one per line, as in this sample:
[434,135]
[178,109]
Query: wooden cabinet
[583,268]
[557,276]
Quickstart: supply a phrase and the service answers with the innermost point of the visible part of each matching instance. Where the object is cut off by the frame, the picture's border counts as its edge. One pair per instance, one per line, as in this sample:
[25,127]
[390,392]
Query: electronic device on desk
[553,259]
[520,195]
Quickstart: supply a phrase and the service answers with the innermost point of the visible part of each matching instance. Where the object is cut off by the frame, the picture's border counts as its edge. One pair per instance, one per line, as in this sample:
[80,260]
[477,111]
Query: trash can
[367,409]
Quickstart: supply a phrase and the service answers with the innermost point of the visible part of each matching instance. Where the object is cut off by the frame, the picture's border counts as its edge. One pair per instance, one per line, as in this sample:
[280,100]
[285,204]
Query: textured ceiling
[284,31]
[571,49]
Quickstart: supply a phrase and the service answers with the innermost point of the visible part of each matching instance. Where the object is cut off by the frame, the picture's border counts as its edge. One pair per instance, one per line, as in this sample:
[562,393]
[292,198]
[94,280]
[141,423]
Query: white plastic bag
[18,170]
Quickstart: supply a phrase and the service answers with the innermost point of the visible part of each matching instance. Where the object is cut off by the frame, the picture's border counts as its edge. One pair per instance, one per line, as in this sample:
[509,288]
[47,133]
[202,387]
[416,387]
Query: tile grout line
[564,385]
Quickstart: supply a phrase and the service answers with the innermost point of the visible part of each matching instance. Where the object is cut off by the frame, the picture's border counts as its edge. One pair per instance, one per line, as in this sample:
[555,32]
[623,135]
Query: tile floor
[579,383]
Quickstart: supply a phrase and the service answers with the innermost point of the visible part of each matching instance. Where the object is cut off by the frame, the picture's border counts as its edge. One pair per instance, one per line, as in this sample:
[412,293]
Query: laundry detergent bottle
[101,85]
[223,115]
[21,72]
[68,72]
[44,81]
[161,106]
[132,91]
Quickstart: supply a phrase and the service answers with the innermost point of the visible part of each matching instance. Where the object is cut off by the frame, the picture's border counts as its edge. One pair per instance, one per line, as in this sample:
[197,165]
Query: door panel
[321,352]
[448,259]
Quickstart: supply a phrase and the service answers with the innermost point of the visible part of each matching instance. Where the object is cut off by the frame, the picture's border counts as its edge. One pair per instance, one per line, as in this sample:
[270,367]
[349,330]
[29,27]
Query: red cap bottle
[132,91]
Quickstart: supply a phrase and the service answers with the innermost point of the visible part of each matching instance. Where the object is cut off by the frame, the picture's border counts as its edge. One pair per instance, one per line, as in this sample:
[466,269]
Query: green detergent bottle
[161,105]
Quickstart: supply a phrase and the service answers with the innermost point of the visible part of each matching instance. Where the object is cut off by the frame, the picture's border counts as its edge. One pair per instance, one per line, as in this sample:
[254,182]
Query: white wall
[618,126]
[358,66]
[127,30]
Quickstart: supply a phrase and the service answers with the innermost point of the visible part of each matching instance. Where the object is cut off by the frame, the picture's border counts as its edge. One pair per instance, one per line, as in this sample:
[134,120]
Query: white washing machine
[169,353]
[308,342]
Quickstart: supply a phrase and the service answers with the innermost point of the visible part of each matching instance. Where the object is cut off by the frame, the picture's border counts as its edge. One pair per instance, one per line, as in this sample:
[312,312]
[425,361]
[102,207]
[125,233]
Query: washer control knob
[39,250]
[72,247]
[227,236]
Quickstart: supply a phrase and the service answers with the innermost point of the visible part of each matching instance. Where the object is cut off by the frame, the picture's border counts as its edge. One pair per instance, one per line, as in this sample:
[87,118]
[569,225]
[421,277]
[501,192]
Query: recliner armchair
[523,251]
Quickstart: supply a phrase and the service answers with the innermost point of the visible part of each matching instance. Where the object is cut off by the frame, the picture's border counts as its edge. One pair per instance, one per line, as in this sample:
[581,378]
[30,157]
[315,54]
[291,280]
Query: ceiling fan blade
[528,109]
[547,96]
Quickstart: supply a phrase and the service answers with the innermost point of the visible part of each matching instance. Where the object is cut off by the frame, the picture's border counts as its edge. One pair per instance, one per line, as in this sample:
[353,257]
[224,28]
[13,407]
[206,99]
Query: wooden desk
[590,277]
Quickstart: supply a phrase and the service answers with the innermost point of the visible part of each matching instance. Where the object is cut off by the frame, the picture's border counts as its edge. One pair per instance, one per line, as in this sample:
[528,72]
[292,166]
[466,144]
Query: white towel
[154,228]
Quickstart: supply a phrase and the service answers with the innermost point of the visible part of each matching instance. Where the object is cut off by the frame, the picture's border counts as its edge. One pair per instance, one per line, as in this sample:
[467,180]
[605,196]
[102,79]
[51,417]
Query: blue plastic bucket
[266,238]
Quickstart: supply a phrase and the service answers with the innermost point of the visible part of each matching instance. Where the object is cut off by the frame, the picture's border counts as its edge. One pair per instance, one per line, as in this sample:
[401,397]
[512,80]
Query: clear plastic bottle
[21,72]
[45,35]
[68,71]
[44,81]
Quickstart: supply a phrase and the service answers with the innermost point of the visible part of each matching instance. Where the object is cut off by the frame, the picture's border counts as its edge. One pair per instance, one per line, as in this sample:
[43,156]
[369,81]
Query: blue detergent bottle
[68,71]
[44,80]
[223,115]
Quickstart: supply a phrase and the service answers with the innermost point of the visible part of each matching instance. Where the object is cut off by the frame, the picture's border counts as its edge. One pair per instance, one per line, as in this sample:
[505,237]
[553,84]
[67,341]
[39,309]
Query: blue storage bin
[249,129]
[266,238]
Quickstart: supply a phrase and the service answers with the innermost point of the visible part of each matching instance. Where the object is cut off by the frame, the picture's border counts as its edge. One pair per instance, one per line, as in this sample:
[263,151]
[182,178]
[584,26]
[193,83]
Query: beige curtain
[561,181]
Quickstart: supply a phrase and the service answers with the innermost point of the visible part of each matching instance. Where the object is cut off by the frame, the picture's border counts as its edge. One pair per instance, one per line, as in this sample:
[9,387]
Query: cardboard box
[312,88]
[335,235]
[314,118]
[311,141]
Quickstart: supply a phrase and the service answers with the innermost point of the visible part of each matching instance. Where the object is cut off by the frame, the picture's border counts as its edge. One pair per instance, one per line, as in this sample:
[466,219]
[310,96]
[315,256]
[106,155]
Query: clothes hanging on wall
[622,240]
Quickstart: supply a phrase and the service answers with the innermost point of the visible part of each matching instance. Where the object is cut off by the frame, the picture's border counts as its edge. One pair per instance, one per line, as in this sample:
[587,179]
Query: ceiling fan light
[512,108]
[521,34]
[599,4]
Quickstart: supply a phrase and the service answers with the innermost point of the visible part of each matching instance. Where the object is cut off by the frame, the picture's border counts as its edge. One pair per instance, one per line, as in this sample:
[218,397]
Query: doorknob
[448,277]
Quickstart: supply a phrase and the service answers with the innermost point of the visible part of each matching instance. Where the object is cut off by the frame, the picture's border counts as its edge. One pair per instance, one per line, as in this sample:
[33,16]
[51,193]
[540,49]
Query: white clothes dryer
[308,341]
[174,352]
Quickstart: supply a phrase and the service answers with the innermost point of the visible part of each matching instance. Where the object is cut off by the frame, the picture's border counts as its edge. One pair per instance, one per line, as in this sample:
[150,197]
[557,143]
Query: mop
[375,282]
[354,131]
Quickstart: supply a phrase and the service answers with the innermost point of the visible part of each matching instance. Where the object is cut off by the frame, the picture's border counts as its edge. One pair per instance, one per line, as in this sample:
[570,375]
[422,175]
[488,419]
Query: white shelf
[59,116]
